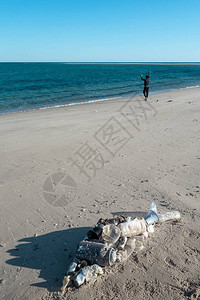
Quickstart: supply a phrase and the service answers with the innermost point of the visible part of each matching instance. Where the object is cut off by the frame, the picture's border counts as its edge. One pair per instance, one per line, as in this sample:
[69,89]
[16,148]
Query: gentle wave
[191,87]
[78,103]
[62,105]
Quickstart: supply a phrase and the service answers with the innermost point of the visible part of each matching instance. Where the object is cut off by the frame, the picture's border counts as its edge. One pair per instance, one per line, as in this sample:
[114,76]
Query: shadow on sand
[50,253]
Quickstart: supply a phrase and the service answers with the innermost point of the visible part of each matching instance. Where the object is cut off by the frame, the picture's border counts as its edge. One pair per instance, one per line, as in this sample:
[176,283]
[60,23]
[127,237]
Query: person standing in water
[146,85]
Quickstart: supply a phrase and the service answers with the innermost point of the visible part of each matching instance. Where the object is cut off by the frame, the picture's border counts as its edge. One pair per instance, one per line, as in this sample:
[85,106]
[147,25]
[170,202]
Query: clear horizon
[104,32]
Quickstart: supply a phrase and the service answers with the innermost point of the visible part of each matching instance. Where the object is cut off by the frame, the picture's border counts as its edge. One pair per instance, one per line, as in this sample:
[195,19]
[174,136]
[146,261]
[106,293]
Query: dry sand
[145,151]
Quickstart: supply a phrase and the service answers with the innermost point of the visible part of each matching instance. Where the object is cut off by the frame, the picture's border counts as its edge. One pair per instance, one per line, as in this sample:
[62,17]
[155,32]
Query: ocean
[26,86]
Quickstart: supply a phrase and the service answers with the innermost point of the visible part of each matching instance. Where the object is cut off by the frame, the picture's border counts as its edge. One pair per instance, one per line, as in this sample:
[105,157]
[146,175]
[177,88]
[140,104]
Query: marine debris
[110,241]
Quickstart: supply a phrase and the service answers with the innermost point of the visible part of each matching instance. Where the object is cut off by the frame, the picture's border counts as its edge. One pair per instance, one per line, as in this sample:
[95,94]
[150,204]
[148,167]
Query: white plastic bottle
[110,233]
[87,274]
[133,227]
[171,215]
[122,255]
[72,267]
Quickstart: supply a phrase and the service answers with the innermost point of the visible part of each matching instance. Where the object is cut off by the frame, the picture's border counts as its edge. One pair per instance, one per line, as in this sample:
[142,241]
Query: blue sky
[100,30]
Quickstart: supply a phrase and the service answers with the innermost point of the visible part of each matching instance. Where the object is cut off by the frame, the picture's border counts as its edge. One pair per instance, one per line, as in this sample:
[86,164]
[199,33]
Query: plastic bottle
[72,267]
[171,215]
[133,227]
[110,233]
[122,255]
[152,216]
[96,253]
[87,274]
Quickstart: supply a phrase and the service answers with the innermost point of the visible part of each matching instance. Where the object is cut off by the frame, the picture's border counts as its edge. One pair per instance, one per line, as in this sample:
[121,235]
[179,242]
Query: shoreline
[95,101]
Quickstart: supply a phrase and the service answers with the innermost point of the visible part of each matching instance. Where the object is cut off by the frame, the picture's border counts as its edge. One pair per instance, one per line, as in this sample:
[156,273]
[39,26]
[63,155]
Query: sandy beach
[112,157]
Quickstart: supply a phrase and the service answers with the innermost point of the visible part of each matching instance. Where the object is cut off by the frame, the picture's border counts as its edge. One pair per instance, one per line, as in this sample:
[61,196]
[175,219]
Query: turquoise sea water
[37,85]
